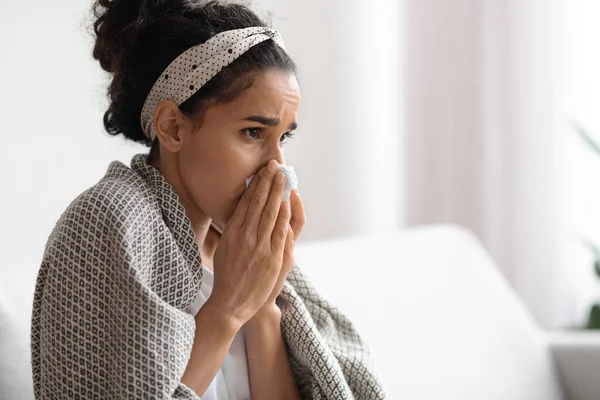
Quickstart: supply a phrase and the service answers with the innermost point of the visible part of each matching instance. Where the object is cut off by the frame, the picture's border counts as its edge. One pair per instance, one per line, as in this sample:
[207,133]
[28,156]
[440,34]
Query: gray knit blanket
[119,269]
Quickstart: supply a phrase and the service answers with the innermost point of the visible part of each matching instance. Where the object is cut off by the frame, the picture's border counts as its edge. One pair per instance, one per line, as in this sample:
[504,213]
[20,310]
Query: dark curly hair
[137,39]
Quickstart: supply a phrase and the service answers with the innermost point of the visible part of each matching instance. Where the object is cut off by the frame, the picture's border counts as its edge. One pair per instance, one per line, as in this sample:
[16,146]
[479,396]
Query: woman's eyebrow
[269,121]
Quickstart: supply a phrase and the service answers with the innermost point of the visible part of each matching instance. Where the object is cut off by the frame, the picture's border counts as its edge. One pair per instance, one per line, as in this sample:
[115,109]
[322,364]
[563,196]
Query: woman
[170,278]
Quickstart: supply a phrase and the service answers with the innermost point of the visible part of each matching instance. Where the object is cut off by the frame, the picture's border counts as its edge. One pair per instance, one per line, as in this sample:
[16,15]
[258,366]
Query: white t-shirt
[232,381]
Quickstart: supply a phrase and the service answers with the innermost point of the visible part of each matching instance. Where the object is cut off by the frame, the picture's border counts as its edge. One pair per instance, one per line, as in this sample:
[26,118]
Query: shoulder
[114,208]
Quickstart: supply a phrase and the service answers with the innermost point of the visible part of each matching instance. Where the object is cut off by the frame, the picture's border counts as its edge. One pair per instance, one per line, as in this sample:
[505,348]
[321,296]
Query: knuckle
[280,233]
[257,199]
[290,243]
[285,213]
[270,214]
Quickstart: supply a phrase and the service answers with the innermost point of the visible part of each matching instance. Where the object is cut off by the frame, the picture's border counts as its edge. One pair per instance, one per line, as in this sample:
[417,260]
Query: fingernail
[272,165]
[280,177]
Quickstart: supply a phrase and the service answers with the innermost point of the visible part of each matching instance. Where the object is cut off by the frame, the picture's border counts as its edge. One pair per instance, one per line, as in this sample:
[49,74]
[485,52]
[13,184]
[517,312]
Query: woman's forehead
[273,86]
[269,95]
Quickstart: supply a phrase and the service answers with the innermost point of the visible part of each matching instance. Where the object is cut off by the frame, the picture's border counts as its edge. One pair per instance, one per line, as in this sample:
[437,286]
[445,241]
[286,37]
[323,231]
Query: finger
[238,216]
[298,218]
[288,255]
[280,231]
[288,261]
[269,215]
[259,198]
[290,243]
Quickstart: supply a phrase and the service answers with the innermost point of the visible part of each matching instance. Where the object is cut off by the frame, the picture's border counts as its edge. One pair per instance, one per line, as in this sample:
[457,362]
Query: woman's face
[234,142]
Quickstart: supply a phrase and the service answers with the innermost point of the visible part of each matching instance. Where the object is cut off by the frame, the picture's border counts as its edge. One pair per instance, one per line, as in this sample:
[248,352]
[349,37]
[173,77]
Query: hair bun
[116,27]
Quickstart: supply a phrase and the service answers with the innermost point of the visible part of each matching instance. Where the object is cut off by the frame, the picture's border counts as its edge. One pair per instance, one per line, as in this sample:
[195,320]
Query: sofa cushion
[441,320]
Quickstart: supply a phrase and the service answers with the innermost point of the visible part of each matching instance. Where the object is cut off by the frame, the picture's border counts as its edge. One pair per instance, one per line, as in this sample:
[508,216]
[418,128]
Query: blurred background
[414,112]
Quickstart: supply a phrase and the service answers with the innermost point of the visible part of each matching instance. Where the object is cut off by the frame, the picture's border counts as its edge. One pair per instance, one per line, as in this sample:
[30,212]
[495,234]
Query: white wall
[51,108]
[345,153]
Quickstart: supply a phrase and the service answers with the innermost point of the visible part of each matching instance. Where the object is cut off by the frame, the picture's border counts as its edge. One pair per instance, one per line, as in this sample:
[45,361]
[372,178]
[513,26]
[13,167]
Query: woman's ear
[171,125]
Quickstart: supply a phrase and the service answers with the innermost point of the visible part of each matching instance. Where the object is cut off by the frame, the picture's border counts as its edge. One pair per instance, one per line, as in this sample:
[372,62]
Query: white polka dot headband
[196,66]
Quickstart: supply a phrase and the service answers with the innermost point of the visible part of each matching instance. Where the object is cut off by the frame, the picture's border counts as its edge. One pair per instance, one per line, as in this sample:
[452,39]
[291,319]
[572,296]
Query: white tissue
[291,183]
[291,180]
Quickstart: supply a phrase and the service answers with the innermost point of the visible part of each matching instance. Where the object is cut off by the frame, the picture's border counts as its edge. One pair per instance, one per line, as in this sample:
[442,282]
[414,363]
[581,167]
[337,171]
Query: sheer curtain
[482,88]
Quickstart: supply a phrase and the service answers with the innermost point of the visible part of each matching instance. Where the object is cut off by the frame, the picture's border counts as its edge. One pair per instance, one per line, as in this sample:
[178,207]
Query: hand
[296,225]
[249,258]
[298,218]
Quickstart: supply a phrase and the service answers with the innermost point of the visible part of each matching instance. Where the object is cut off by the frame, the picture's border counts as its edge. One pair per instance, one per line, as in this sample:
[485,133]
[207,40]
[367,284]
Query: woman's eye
[286,136]
[252,133]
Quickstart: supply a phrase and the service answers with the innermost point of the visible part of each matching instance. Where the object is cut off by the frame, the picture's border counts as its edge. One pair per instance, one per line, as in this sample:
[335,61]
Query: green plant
[594,315]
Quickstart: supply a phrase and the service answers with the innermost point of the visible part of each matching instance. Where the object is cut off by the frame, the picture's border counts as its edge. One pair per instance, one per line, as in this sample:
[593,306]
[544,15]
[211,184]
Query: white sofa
[439,317]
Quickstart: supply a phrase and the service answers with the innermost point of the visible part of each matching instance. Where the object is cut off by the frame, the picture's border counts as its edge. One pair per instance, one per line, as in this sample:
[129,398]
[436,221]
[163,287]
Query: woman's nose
[277,154]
